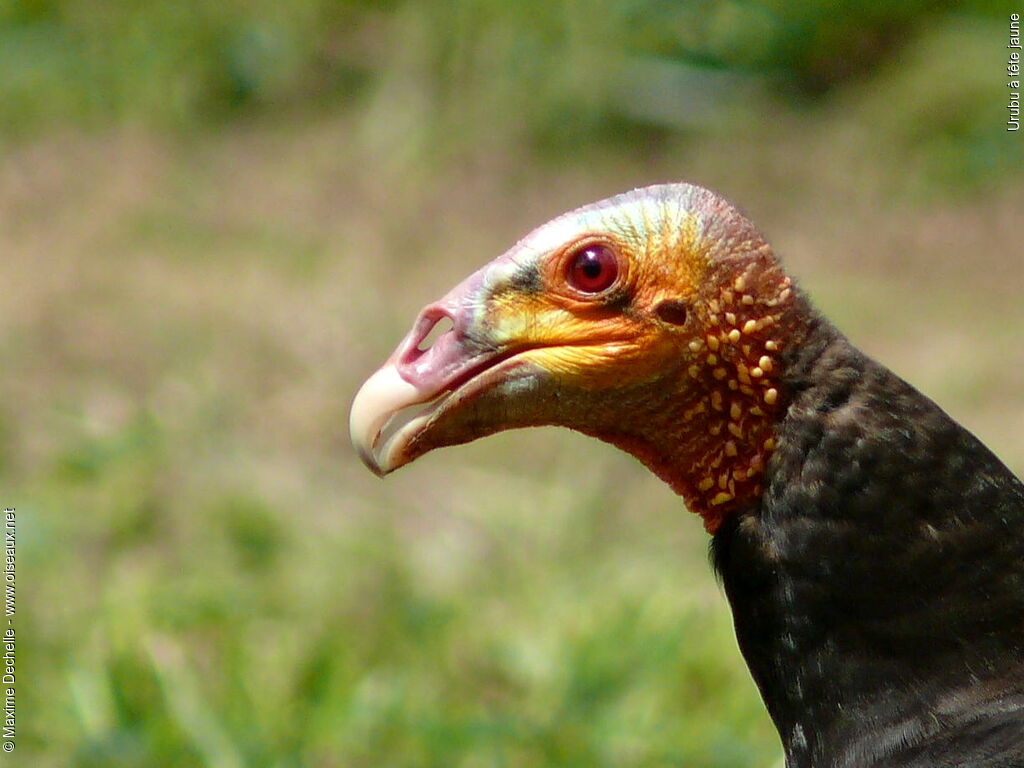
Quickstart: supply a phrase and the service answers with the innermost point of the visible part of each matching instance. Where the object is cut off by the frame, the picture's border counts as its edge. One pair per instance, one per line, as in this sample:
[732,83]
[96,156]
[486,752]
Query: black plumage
[878,584]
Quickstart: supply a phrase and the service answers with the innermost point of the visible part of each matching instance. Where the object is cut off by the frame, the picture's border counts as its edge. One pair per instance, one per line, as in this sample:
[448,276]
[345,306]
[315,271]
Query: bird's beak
[384,395]
[405,409]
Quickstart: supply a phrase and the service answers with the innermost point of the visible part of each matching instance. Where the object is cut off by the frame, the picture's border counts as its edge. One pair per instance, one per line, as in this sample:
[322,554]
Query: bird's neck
[877,585]
[711,436]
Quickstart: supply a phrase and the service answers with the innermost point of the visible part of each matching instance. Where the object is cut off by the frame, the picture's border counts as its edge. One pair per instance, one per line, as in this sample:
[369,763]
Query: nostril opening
[434,329]
[441,326]
[673,312]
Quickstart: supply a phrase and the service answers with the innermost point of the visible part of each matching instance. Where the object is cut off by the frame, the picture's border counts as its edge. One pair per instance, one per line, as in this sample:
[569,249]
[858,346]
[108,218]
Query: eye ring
[592,268]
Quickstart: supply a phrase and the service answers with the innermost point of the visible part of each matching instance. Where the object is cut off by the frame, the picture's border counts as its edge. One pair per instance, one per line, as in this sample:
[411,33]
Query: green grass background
[216,219]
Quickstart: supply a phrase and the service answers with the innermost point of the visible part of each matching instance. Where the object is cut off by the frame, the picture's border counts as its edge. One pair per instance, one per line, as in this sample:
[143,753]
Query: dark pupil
[592,266]
[593,269]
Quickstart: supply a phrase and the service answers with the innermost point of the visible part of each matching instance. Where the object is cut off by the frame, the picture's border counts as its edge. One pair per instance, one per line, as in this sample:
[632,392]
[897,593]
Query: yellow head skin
[674,359]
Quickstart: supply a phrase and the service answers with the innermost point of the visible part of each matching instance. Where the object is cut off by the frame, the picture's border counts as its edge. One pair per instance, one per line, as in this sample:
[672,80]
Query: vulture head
[653,320]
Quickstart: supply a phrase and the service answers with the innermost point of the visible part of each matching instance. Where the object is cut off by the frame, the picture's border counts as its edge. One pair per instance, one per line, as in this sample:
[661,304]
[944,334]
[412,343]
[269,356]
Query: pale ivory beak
[386,395]
[396,402]
[413,403]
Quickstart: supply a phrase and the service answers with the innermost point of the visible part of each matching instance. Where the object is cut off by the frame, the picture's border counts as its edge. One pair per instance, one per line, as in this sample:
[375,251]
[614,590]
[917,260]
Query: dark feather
[878,586]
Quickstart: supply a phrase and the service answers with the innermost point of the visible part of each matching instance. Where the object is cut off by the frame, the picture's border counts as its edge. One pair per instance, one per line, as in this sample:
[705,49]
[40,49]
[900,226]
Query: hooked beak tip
[369,461]
[384,394]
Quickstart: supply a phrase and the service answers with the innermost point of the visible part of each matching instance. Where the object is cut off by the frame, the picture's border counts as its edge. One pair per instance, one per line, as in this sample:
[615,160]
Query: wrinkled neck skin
[874,581]
[707,427]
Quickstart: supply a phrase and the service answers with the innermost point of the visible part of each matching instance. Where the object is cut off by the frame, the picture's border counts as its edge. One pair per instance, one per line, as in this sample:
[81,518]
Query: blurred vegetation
[218,217]
[551,73]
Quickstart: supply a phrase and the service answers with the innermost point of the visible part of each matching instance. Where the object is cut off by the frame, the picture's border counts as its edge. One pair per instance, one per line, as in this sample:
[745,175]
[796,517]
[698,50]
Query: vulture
[871,548]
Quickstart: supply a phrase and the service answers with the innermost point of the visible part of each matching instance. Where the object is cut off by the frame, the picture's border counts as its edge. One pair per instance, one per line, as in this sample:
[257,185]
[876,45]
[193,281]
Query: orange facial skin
[676,361]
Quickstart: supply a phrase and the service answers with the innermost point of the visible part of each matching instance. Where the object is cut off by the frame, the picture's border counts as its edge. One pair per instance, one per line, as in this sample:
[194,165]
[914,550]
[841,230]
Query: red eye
[593,269]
